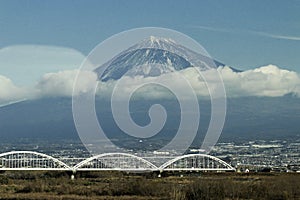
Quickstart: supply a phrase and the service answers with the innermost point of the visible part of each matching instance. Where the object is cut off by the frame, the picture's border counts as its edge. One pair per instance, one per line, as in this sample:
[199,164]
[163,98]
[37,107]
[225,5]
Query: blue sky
[244,34]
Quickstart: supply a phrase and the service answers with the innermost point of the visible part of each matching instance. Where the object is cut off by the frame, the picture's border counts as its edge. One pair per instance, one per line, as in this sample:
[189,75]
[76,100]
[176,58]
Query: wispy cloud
[284,37]
[208,28]
[237,31]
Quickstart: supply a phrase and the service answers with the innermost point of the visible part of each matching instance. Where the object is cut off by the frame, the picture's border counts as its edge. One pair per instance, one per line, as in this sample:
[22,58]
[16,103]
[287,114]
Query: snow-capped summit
[156,42]
[153,56]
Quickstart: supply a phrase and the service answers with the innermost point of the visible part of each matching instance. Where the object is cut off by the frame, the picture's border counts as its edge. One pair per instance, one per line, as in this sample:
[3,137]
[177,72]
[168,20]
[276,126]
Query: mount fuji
[152,57]
[247,118]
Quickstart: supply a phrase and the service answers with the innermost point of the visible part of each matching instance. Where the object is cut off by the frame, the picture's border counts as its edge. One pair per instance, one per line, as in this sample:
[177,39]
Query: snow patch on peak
[153,39]
[158,40]
[155,43]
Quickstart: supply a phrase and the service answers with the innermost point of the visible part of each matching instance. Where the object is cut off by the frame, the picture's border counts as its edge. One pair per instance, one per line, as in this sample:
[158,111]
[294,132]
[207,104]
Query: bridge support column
[160,172]
[73,174]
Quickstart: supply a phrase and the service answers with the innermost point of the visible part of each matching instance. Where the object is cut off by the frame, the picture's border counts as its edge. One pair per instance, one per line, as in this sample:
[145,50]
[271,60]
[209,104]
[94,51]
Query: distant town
[255,156]
[261,155]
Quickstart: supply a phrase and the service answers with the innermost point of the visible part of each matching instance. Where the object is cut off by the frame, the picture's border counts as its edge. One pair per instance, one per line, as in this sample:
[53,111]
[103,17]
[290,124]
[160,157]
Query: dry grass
[114,185]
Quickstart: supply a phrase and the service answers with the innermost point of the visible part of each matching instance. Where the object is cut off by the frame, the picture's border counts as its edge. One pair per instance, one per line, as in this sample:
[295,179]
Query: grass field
[117,185]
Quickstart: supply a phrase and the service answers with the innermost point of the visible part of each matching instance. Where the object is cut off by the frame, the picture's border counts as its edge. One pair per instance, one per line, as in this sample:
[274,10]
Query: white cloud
[9,92]
[61,83]
[270,81]
[264,81]
[50,85]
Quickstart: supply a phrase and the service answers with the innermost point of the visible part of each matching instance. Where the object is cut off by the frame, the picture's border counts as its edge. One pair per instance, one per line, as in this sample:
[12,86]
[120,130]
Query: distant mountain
[247,118]
[153,57]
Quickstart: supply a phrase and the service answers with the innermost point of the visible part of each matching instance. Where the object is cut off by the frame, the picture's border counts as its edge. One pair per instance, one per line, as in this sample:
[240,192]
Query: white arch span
[148,165]
[169,165]
[30,160]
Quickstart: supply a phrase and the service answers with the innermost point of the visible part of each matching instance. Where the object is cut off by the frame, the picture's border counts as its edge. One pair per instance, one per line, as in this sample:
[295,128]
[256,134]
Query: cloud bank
[269,81]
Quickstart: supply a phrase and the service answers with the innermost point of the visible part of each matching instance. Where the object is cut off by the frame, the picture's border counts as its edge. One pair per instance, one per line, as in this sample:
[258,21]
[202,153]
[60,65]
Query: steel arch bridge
[29,160]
